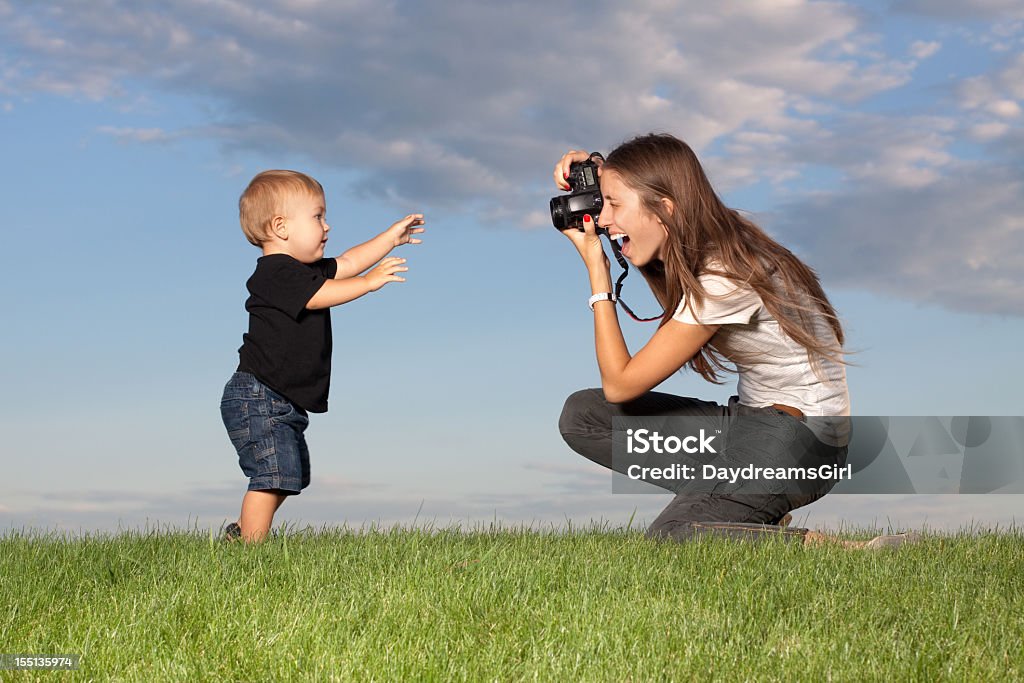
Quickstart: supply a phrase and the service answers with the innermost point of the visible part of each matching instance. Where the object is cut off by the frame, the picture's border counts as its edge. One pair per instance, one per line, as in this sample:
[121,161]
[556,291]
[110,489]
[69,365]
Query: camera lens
[558,213]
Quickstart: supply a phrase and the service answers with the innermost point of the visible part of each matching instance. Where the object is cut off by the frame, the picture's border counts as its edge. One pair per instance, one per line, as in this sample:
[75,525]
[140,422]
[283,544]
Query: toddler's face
[307,227]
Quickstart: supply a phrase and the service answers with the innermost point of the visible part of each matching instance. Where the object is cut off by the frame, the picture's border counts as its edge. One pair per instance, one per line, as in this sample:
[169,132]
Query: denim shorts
[267,431]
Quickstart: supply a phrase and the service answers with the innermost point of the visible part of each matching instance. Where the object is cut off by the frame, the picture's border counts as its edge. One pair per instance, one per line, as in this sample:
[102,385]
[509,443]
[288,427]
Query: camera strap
[625,267]
[618,286]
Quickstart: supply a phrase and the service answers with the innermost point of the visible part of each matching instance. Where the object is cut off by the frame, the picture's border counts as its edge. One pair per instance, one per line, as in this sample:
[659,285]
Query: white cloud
[962,9]
[137,135]
[888,152]
[989,131]
[956,243]
[456,101]
[1012,77]
[327,505]
[1006,109]
[579,494]
[921,49]
[997,92]
[466,106]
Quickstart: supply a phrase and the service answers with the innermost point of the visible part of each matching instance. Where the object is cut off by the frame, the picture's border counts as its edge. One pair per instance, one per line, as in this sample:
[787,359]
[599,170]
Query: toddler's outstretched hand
[385,271]
[402,231]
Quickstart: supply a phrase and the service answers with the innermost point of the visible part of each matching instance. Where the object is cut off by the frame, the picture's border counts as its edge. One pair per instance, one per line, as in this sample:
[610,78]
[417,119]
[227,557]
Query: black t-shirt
[287,347]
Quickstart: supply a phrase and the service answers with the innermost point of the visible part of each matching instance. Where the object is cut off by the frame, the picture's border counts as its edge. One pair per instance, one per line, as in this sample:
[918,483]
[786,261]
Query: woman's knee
[581,408]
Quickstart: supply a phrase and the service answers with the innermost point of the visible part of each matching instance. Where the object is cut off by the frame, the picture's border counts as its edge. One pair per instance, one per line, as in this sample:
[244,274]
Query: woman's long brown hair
[703,230]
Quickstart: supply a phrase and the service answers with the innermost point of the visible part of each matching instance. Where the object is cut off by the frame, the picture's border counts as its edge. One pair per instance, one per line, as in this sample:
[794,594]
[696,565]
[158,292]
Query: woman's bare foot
[816,538]
[893,540]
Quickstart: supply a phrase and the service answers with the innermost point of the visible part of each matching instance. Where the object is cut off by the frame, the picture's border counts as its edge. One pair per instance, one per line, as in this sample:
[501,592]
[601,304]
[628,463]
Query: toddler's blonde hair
[267,196]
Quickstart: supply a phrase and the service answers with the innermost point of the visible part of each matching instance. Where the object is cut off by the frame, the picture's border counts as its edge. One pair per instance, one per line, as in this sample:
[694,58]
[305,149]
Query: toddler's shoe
[232,532]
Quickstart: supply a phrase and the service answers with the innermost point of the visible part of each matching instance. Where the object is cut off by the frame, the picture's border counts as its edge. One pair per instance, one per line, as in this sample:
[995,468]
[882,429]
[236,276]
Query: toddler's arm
[334,292]
[362,256]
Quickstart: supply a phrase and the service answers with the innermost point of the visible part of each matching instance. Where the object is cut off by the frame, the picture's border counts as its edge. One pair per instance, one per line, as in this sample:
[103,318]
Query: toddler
[284,368]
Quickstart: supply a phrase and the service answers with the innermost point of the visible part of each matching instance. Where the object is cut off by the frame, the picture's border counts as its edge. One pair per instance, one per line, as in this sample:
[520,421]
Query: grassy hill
[509,605]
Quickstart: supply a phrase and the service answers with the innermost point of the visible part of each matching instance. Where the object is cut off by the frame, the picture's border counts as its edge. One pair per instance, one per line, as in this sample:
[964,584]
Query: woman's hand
[587,242]
[562,167]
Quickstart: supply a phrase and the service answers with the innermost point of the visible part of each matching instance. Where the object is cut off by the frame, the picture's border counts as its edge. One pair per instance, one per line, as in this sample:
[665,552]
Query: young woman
[732,296]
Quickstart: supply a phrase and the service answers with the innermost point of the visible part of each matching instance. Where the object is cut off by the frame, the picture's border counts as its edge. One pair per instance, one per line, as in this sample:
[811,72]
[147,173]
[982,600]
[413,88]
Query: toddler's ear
[279,227]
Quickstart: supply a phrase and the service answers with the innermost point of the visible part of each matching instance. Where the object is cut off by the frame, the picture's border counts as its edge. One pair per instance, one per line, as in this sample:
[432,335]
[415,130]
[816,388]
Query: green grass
[509,605]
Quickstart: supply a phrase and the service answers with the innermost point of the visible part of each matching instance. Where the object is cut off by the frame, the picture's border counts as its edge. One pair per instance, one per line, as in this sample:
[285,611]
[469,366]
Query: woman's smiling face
[624,214]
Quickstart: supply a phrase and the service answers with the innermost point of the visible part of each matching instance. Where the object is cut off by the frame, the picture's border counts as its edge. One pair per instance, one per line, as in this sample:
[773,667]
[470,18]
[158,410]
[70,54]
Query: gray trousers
[766,436]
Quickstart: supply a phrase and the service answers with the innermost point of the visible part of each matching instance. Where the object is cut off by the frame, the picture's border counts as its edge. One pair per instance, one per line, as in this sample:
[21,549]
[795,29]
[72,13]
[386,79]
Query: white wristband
[601,296]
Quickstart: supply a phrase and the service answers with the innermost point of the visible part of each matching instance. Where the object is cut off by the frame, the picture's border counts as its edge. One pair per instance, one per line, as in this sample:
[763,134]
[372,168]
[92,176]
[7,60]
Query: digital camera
[568,210]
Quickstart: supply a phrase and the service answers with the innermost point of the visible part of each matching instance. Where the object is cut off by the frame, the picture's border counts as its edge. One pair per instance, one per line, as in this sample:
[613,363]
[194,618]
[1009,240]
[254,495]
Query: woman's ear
[669,205]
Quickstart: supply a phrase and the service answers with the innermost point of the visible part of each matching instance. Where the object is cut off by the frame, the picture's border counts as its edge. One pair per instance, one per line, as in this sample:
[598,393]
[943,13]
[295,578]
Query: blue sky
[882,141]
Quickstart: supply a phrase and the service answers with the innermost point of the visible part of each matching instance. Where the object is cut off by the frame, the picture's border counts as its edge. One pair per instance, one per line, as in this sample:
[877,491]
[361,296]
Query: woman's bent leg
[586,420]
[586,426]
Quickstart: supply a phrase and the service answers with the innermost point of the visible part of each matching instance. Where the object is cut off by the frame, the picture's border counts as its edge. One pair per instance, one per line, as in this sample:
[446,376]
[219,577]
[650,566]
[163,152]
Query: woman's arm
[625,377]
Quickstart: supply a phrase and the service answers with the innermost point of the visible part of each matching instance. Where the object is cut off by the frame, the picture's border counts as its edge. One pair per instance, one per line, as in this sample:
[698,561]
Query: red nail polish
[586,218]
[565,174]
